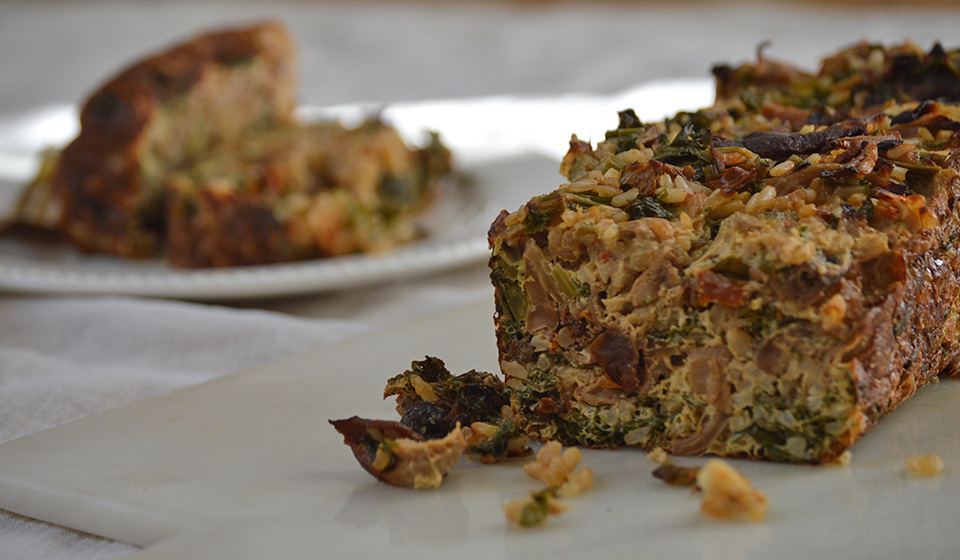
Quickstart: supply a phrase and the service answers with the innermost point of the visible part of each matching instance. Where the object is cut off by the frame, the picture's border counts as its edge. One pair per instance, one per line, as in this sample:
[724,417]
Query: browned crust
[237,230]
[900,321]
[99,177]
[913,334]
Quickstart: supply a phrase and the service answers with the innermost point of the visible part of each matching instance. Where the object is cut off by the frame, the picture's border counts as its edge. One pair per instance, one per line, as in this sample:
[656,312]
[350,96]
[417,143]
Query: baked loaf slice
[301,192]
[156,117]
[194,153]
[733,282]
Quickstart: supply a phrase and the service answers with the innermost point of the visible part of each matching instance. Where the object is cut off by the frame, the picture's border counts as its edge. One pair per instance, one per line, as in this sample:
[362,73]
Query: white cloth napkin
[64,358]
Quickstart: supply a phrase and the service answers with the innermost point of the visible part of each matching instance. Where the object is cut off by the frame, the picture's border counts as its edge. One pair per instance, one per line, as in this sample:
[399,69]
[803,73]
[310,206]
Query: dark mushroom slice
[397,455]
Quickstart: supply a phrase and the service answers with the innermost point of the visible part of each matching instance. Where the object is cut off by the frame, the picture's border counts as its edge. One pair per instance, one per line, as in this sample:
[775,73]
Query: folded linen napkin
[64,358]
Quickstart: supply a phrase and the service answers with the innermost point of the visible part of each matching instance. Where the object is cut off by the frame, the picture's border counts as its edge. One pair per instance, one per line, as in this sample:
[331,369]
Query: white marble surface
[62,359]
[246,467]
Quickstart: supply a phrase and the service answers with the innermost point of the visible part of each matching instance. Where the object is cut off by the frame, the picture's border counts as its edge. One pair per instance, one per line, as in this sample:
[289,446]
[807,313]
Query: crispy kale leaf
[431,401]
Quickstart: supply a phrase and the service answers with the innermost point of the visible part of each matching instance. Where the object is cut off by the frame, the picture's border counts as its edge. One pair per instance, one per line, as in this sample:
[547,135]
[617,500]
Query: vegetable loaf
[154,118]
[736,281]
[301,192]
[195,154]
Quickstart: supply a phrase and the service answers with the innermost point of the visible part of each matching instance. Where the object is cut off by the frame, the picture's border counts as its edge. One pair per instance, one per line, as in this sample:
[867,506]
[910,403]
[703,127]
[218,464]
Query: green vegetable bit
[536,509]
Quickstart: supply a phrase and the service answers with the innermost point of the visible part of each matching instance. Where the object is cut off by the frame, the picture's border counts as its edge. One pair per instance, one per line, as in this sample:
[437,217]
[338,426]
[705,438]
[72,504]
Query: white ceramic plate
[456,227]
[508,145]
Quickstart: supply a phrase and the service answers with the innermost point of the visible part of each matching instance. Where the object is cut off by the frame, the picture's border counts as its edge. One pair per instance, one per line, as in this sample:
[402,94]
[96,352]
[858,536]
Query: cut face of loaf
[153,118]
[705,290]
[300,192]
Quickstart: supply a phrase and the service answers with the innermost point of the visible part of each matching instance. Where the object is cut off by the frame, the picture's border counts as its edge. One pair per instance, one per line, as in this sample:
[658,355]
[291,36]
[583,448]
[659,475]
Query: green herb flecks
[691,146]
[571,288]
[536,509]
[505,276]
[628,131]
[473,396]
[540,212]
[507,441]
[648,207]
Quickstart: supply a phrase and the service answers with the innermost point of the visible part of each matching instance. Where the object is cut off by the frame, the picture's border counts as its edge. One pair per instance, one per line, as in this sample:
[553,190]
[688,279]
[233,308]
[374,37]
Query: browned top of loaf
[99,180]
[118,112]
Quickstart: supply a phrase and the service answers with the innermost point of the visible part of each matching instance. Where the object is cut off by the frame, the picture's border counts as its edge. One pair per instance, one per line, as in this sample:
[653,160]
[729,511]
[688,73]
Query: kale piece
[648,207]
[470,397]
[432,401]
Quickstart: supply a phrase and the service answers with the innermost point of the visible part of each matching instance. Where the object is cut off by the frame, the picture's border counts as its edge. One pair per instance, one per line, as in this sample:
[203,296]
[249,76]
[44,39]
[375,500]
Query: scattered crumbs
[557,467]
[925,465]
[727,494]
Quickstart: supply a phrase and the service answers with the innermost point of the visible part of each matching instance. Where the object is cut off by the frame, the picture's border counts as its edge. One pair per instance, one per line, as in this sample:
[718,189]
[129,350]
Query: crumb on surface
[396,455]
[925,465]
[533,509]
[676,475]
[843,459]
[557,467]
[727,494]
[658,455]
[425,464]
[577,482]
[553,463]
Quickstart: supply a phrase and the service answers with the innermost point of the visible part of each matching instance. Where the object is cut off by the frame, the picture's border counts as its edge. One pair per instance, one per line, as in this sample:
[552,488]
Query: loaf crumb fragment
[658,455]
[557,467]
[727,494]
[533,509]
[553,463]
[925,465]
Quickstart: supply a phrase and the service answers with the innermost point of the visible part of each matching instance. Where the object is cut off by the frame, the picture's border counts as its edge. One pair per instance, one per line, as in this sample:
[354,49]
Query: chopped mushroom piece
[676,475]
[925,465]
[395,454]
[727,494]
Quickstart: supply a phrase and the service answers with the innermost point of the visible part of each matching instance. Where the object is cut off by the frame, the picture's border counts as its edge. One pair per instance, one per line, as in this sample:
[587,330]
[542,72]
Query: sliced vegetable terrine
[735,283]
